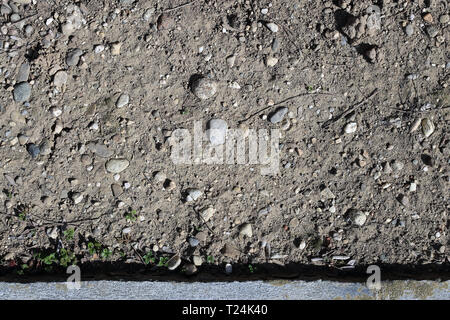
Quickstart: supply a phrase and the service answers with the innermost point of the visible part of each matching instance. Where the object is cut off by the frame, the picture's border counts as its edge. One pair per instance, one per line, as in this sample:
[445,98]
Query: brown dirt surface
[364,146]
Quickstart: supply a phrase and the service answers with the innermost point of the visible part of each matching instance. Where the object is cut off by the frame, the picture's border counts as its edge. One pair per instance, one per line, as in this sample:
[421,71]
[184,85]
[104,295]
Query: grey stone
[45,148]
[100,150]
[24,72]
[174,262]
[204,88]
[193,242]
[207,214]
[193,194]
[60,78]
[190,269]
[358,217]
[77,198]
[117,165]
[160,176]
[278,115]
[246,230]
[22,92]
[5,9]
[33,150]
[444,19]
[14,17]
[73,57]
[409,30]
[432,31]
[272,27]
[116,190]
[123,100]
[198,261]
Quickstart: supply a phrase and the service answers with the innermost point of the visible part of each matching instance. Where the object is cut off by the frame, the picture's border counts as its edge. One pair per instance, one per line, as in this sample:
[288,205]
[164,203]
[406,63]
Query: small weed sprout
[149,258]
[106,253]
[50,259]
[163,262]
[67,258]
[69,234]
[131,216]
[93,247]
[22,216]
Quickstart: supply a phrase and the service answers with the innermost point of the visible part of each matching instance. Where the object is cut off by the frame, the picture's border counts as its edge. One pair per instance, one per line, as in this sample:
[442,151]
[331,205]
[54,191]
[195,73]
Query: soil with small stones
[364,145]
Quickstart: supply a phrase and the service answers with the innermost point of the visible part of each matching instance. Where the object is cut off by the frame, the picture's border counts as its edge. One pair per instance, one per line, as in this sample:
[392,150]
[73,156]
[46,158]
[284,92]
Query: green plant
[50,259]
[106,253]
[93,247]
[67,258]
[163,261]
[22,216]
[23,267]
[131,216]
[251,268]
[210,259]
[149,258]
[69,234]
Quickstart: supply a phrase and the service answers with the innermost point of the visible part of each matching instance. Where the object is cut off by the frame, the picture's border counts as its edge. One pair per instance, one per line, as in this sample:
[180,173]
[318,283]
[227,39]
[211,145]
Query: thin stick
[24,19]
[327,123]
[180,6]
[135,251]
[281,102]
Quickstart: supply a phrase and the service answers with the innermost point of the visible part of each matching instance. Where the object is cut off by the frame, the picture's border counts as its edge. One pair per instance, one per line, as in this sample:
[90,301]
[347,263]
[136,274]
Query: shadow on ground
[94,271]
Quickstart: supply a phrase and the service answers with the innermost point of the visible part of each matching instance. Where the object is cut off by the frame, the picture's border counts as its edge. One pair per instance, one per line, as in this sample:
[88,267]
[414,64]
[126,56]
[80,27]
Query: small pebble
[278,115]
[193,242]
[246,230]
[204,88]
[123,100]
[271,61]
[60,78]
[117,165]
[115,48]
[160,176]
[22,92]
[193,194]
[174,262]
[33,150]
[350,127]
[358,217]
[207,214]
[73,57]
[272,27]
[427,127]
[77,197]
[56,112]
[99,48]
[444,19]
[198,261]
[409,30]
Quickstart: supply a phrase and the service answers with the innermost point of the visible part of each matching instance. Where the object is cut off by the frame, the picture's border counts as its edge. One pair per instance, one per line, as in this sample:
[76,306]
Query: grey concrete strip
[254,290]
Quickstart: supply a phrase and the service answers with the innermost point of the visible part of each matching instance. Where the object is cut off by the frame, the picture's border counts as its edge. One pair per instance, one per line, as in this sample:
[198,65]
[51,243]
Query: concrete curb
[248,290]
